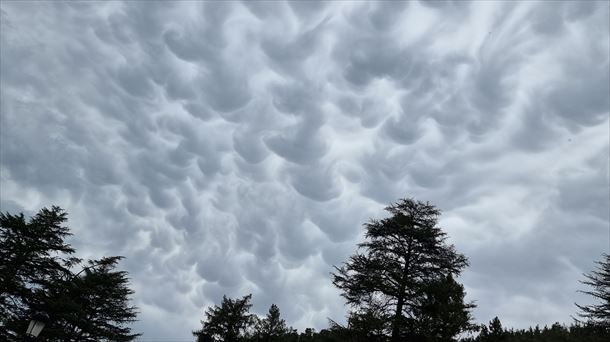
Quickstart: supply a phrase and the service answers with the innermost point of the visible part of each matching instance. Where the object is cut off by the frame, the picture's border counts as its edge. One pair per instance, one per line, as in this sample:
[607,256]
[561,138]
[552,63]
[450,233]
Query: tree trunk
[401,297]
[397,319]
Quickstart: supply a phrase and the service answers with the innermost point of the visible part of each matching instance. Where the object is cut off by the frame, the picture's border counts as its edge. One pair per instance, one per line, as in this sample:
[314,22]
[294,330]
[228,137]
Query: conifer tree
[599,281]
[494,332]
[272,327]
[91,306]
[30,259]
[400,257]
[36,276]
[228,322]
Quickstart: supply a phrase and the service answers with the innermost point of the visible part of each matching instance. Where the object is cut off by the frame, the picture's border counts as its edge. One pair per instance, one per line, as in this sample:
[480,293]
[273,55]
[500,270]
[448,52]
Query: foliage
[441,313]
[97,303]
[228,322]
[272,327]
[494,332]
[370,322]
[599,281]
[31,259]
[36,276]
[402,257]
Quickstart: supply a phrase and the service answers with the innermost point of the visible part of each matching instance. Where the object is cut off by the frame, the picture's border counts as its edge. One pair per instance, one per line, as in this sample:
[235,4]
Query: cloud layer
[233,148]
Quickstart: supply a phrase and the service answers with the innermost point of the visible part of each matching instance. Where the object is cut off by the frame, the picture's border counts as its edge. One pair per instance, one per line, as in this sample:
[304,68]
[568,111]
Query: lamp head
[39,319]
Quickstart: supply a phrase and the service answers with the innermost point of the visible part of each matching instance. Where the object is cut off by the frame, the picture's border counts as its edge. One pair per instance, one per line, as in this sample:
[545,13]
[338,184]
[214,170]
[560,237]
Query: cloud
[238,148]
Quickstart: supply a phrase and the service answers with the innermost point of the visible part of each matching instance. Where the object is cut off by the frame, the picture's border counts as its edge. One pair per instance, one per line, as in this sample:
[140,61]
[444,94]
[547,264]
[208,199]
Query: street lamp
[37,324]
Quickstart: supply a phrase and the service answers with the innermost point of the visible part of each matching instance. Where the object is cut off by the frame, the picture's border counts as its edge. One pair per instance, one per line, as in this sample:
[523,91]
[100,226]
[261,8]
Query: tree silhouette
[599,281]
[401,256]
[493,332]
[91,305]
[441,313]
[369,322]
[272,327]
[36,276]
[228,322]
[30,253]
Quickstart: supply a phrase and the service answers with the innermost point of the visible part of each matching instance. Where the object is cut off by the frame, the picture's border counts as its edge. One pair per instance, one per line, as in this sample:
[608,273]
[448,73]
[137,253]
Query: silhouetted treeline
[401,286]
[232,322]
[494,332]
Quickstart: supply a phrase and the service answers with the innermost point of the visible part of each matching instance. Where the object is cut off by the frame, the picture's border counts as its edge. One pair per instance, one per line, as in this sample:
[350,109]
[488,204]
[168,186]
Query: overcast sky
[235,148]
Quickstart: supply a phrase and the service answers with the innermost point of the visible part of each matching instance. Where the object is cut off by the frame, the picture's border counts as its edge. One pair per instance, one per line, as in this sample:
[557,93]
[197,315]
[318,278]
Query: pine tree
[401,256]
[494,332]
[599,281]
[272,327]
[228,322]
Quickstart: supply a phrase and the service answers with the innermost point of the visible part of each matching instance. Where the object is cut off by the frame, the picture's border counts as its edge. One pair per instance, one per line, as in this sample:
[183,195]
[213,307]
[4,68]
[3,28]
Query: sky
[239,147]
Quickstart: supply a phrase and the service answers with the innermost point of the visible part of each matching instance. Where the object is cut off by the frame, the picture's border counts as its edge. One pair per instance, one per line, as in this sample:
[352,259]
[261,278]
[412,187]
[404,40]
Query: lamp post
[39,319]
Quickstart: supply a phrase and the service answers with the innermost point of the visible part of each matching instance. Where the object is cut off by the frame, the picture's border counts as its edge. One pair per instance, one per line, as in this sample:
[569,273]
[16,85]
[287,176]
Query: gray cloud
[239,147]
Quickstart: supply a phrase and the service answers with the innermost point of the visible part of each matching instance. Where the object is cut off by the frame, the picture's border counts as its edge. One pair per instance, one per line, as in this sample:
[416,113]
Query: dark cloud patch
[135,82]
[317,182]
[198,110]
[445,5]
[289,53]
[536,131]
[583,101]
[548,20]
[578,10]
[586,190]
[385,14]
[250,146]
[372,58]
[296,99]
[263,10]
[404,130]
[301,143]
[225,89]
[384,176]
[377,17]
[181,47]
[340,222]
[307,9]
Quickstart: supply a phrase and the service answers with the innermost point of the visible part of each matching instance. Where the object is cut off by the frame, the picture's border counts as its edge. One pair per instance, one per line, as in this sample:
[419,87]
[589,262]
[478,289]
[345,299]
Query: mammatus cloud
[233,148]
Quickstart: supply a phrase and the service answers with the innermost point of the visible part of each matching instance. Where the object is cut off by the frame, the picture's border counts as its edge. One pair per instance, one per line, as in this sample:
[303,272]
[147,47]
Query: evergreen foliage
[599,281]
[396,269]
[494,332]
[229,322]
[36,275]
[92,305]
[441,313]
[272,327]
